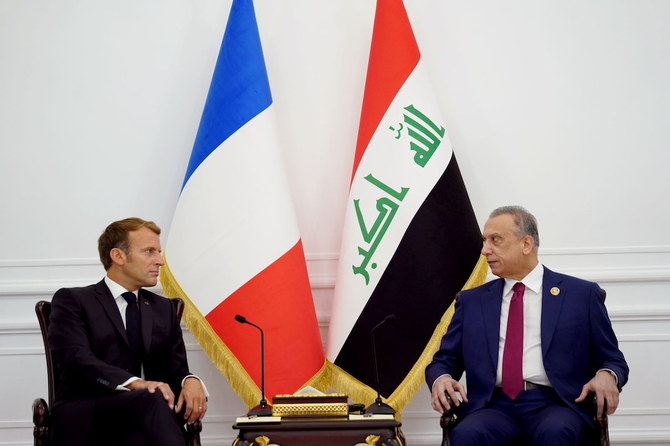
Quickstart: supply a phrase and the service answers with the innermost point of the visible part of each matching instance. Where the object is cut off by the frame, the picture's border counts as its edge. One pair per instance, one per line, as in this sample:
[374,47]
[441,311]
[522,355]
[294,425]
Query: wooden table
[320,433]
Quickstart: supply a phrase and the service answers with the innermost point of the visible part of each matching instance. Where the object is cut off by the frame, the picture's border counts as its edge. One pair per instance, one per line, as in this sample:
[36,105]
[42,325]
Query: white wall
[561,106]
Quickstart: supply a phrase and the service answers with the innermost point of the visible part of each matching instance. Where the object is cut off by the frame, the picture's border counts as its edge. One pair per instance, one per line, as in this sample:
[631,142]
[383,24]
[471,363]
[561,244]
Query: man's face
[141,265]
[506,252]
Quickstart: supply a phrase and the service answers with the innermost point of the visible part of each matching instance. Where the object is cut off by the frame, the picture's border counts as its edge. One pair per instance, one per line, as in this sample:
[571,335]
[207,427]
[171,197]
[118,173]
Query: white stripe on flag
[234,216]
[390,161]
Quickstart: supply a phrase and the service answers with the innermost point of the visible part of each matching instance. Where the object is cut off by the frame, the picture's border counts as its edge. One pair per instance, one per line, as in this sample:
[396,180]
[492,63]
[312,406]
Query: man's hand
[443,386]
[605,389]
[152,387]
[193,398]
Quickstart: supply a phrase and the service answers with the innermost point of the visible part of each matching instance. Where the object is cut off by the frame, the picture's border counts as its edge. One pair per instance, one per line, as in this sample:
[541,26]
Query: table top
[317,424]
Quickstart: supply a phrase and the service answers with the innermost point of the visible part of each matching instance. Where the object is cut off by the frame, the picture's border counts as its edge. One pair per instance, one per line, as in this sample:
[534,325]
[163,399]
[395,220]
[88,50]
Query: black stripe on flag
[433,261]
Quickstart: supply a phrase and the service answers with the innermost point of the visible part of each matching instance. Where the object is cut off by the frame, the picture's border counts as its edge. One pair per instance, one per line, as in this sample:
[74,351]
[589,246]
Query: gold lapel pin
[146,302]
[555,291]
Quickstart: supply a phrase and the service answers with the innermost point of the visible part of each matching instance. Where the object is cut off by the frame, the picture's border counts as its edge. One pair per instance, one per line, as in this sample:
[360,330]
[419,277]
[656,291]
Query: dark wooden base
[322,433]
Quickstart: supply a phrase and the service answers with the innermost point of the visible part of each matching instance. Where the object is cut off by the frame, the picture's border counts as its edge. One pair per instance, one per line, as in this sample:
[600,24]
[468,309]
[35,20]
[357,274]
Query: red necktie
[512,374]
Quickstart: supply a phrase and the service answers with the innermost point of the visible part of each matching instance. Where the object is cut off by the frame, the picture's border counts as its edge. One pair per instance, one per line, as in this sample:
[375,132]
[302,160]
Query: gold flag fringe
[220,355]
[359,392]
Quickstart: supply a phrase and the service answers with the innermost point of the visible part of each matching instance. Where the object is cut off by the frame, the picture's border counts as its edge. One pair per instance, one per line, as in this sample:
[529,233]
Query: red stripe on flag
[279,300]
[393,55]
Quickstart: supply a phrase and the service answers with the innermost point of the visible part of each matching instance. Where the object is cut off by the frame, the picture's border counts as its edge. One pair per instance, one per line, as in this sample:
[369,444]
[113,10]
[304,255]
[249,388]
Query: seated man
[533,345]
[122,376]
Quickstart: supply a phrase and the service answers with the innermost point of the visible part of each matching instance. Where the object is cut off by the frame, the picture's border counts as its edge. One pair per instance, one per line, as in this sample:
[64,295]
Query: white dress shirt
[117,291]
[533,366]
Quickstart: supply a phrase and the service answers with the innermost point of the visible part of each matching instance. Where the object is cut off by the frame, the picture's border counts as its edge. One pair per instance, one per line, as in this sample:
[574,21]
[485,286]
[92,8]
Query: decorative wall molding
[633,264]
[619,315]
[621,274]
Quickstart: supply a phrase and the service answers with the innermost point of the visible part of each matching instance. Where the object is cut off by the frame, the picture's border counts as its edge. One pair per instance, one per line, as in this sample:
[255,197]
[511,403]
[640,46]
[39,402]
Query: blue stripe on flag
[239,89]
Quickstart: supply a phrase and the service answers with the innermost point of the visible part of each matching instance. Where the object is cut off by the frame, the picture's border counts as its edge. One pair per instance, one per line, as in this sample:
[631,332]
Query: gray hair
[523,219]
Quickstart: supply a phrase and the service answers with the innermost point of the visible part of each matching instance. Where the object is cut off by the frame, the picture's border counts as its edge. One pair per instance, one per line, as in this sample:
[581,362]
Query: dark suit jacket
[576,335]
[90,348]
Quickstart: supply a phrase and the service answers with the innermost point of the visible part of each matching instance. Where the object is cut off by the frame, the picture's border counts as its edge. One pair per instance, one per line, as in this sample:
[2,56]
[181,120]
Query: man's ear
[118,256]
[528,244]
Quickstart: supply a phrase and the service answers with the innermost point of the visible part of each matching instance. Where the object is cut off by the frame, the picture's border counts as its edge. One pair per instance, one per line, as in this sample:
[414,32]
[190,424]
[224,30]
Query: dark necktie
[512,371]
[134,332]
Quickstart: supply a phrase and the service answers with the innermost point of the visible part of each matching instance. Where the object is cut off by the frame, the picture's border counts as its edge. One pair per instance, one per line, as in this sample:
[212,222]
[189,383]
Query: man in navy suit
[567,349]
[106,392]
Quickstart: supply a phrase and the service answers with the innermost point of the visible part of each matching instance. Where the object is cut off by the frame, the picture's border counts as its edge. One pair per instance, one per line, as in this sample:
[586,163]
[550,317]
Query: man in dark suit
[532,352]
[113,386]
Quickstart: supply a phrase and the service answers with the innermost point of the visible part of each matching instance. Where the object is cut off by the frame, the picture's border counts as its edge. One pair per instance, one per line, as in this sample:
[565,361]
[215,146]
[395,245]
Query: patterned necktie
[512,373]
[134,332]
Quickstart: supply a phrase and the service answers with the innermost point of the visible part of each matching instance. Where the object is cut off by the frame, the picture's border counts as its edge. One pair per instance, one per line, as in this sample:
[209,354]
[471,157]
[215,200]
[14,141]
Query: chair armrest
[601,424]
[40,412]
[41,417]
[448,420]
[193,433]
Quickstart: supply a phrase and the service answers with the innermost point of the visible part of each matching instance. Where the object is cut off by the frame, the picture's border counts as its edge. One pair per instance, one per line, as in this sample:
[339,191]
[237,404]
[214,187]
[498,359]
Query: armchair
[450,419]
[41,412]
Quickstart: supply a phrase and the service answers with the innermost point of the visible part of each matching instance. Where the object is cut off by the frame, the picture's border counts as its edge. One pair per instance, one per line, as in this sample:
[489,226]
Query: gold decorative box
[310,405]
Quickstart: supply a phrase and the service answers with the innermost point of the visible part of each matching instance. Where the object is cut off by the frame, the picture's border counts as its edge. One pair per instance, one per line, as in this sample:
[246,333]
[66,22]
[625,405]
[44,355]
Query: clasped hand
[447,386]
[603,385]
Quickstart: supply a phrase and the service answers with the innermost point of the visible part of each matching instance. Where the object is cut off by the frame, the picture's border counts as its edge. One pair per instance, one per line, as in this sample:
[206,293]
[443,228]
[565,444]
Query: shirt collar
[115,288]
[533,280]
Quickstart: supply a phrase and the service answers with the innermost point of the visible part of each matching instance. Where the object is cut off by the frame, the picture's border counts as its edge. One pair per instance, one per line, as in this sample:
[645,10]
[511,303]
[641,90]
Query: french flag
[233,245]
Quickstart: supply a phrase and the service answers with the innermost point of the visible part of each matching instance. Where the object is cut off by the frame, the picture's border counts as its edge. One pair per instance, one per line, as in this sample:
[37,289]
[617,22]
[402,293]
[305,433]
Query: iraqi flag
[234,246]
[410,239]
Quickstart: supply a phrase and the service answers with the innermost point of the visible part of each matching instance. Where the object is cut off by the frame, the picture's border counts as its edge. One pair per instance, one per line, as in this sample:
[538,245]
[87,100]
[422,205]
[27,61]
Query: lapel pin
[146,302]
[555,291]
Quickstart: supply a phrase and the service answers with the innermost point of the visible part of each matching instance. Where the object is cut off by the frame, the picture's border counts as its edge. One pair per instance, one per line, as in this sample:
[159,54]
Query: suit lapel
[108,303]
[146,315]
[491,307]
[552,304]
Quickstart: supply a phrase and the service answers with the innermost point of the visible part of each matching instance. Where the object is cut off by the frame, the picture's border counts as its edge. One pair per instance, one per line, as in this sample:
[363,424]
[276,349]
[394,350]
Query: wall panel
[637,284]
